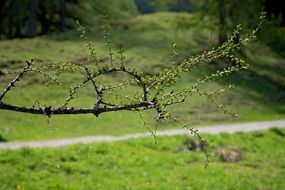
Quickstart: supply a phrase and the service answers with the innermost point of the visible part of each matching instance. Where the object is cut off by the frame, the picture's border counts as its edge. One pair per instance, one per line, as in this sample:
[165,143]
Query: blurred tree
[144,6]
[31,31]
[62,15]
[47,15]
[273,33]
[182,6]
[276,10]
[229,13]
[223,20]
[148,6]
[26,18]
[13,17]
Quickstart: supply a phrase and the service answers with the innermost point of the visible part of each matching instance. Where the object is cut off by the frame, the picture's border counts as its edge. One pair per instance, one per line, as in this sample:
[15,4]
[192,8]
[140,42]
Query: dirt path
[230,128]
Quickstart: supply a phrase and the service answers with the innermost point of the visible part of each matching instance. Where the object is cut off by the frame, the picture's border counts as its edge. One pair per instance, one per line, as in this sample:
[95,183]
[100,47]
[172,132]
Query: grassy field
[259,92]
[140,164]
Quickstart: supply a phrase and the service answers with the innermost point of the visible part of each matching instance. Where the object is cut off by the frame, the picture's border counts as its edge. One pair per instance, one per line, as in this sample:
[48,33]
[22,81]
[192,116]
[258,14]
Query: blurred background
[30,18]
[46,31]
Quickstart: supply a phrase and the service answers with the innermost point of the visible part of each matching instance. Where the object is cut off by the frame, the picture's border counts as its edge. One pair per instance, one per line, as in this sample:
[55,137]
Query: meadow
[141,164]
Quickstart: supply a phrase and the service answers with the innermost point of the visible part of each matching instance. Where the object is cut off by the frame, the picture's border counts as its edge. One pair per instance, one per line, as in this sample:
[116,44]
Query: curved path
[230,128]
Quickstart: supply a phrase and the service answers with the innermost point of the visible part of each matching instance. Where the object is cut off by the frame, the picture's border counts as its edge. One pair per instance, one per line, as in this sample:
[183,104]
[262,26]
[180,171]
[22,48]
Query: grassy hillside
[140,164]
[259,92]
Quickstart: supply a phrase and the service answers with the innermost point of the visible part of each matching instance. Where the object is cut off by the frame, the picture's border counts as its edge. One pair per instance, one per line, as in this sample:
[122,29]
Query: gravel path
[230,128]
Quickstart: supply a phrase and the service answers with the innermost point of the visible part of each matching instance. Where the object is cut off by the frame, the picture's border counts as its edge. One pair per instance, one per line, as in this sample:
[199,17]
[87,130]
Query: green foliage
[226,14]
[243,12]
[278,41]
[140,164]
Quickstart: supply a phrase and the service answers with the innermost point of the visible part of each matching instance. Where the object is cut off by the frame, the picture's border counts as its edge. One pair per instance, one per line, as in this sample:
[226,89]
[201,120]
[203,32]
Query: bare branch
[98,90]
[16,79]
[74,91]
[49,111]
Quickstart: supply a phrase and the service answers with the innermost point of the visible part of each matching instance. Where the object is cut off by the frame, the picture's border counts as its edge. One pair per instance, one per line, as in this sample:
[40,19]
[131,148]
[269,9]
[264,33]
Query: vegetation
[154,88]
[140,164]
[147,60]
[28,18]
[164,69]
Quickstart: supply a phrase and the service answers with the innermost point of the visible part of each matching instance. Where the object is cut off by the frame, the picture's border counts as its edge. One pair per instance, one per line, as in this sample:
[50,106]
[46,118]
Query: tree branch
[49,111]
[16,79]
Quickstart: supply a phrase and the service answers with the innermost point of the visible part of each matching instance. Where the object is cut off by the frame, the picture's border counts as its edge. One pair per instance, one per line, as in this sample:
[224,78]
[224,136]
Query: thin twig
[16,79]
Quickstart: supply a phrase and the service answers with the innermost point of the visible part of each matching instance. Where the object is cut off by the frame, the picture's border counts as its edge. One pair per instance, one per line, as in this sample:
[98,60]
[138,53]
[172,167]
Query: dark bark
[275,9]
[222,22]
[43,21]
[18,29]
[31,30]
[10,27]
[49,111]
[62,15]
[98,108]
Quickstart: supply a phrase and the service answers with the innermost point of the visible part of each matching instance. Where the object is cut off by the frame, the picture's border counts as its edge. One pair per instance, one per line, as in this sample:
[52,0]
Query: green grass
[141,164]
[259,93]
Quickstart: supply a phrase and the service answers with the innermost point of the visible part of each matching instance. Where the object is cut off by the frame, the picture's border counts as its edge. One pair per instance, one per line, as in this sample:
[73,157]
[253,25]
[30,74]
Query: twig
[16,79]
